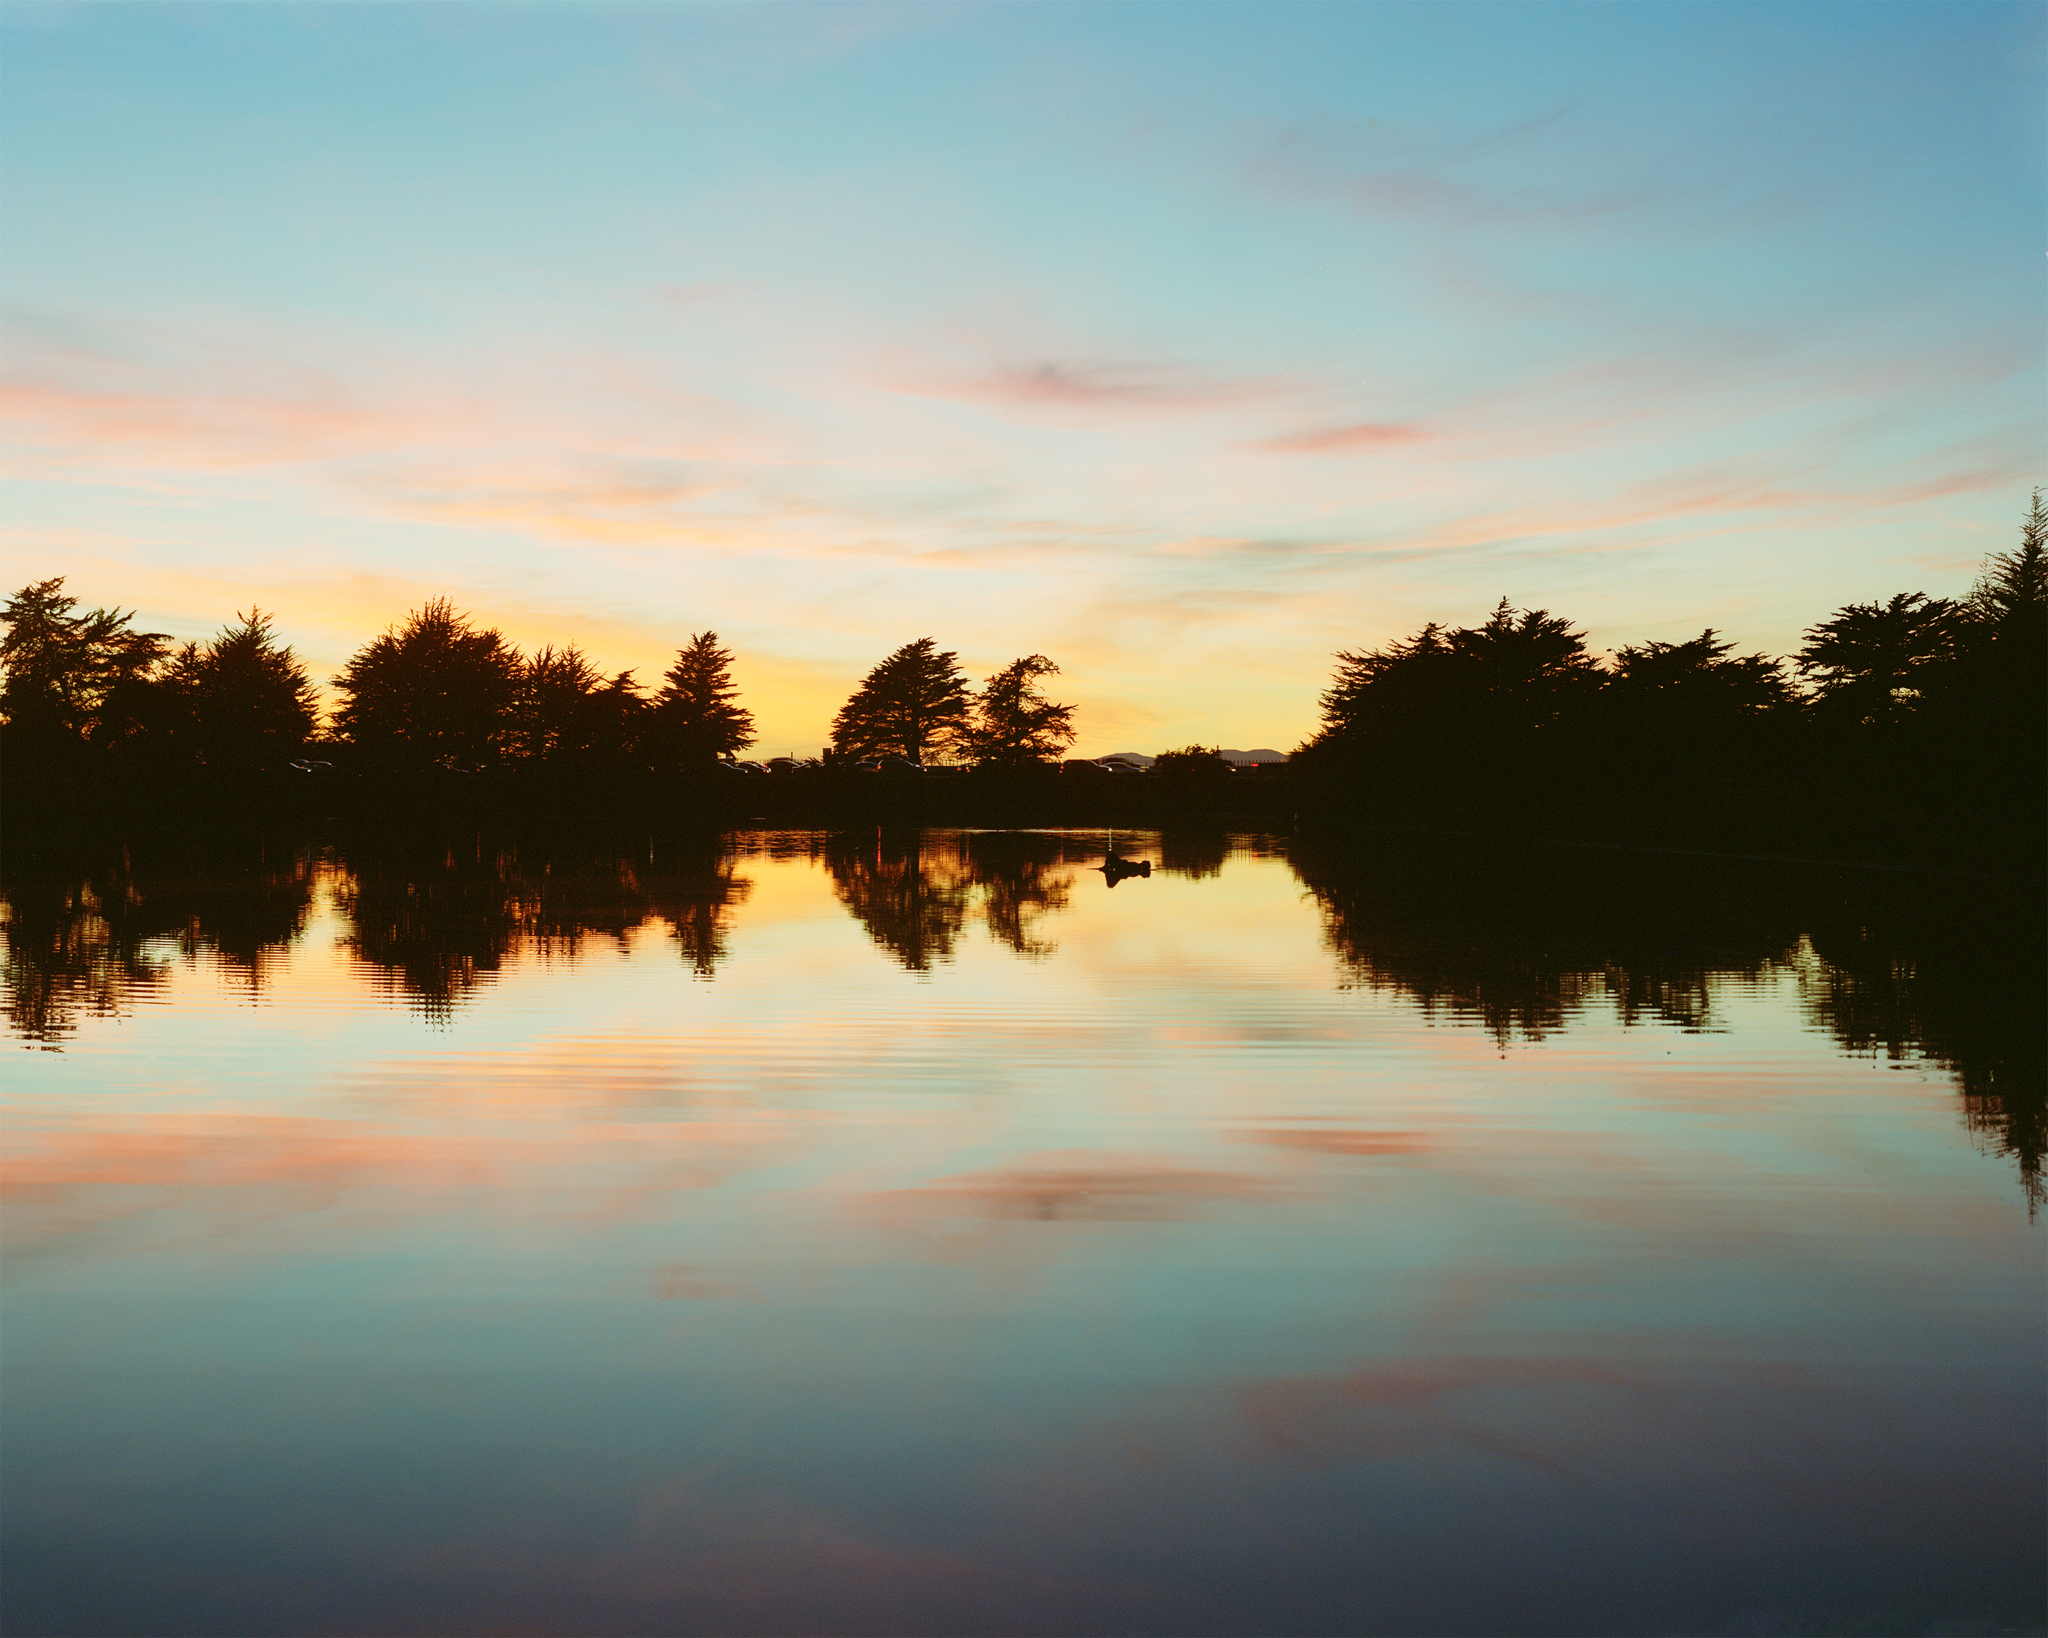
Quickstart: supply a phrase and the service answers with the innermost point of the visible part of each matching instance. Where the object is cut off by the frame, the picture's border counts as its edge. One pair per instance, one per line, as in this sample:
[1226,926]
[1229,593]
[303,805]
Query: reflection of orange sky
[1187,1055]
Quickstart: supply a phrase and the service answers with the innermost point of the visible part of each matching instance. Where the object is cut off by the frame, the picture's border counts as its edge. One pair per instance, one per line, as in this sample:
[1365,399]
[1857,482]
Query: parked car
[900,765]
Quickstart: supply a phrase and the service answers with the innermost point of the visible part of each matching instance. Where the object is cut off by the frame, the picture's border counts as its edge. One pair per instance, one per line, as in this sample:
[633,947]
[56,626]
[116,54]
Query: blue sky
[1182,343]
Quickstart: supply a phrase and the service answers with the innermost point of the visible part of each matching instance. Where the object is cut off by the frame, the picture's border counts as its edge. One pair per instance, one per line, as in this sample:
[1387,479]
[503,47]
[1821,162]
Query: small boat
[1115,867]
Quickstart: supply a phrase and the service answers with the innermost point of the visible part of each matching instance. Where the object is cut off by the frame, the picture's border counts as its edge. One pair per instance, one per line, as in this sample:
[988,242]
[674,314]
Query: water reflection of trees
[915,892]
[1965,991]
[96,938]
[1519,943]
[436,925]
[1523,942]
[1523,946]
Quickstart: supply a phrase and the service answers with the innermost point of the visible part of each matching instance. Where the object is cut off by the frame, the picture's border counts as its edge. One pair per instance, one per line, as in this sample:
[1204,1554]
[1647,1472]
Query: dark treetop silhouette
[914,703]
[696,716]
[1015,725]
[435,687]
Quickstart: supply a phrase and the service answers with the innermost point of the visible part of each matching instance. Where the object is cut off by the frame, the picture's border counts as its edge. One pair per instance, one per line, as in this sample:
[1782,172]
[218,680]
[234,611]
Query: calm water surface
[921,1235]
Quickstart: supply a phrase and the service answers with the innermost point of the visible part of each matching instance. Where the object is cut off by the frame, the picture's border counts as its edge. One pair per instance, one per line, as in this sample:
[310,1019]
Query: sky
[1184,344]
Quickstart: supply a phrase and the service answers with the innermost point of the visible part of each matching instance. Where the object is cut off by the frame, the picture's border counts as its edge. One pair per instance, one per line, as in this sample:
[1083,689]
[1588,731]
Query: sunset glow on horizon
[1185,345]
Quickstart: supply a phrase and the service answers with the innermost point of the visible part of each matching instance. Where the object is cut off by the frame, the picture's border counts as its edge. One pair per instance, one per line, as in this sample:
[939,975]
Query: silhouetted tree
[436,686]
[1529,666]
[1191,769]
[1871,661]
[1699,679]
[2012,587]
[696,717]
[246,699]
[1381,688]
[1522,669]
[916,701]
[1015,725]
[71,680]
[1687,732]
[1452,722]
[569,714]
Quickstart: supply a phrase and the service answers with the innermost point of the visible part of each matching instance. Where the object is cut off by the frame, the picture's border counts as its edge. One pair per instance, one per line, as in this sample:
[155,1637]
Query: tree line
[1514,719]
[1914,713]
[84,691]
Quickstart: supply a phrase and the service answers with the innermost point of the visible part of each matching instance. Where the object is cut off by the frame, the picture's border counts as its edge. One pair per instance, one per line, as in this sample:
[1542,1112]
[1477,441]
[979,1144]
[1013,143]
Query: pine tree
[695,718]
[1014,723]
[246,698]
[915,702]
[2012,587]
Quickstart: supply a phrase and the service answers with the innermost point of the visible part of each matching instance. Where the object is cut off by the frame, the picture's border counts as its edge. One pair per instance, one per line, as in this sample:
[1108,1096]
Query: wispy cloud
[1114,386]
[1340,440]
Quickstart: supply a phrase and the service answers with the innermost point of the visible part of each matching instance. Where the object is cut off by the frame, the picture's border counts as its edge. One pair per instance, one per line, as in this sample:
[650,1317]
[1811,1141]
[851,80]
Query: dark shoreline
[39,815]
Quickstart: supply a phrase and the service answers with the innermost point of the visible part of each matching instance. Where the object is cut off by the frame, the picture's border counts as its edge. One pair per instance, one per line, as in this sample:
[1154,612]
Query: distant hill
[1138,759]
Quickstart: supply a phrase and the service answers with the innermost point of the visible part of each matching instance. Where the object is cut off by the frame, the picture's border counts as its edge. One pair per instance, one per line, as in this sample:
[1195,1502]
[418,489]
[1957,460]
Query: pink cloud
[1134,387]
[1339,439]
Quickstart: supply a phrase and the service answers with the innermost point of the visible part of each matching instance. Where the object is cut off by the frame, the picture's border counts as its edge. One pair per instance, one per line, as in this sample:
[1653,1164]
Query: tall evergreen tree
[696,716]
[1014,723]
[435,687]
[246,700]
[2012,587]
[914,703]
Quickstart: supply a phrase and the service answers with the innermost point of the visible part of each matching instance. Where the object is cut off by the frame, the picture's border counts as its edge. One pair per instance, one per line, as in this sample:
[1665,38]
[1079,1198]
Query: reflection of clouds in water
[400,1147]
[716,1548]
[1075,1186]
[1339,1140]
[702,1285]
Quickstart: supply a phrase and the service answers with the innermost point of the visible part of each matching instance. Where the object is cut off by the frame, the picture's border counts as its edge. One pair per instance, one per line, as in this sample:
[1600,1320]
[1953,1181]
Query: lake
[928,1233]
